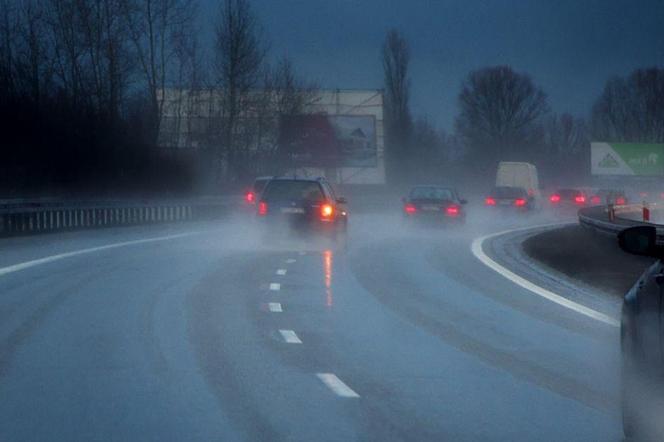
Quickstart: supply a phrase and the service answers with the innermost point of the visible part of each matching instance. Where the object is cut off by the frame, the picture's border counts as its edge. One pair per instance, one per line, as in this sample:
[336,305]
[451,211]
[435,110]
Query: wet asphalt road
[214,335]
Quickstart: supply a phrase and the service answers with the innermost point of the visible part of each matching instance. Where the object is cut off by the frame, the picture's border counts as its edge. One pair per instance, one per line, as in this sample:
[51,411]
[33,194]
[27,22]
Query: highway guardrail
[23,217]
[612,219]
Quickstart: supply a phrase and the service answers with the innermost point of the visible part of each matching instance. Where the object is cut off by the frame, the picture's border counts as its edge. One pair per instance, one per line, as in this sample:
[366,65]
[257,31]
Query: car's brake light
[520,202]
[620,201]
[409,208]
[452,211]
[555,198]
[490,201]
[250,197]
[262,208]
[596,200]
[580,199]
[326,211]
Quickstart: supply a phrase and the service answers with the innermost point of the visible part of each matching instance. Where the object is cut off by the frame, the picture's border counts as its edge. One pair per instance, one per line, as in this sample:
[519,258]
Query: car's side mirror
[463,201]
[640,240]
[342,200]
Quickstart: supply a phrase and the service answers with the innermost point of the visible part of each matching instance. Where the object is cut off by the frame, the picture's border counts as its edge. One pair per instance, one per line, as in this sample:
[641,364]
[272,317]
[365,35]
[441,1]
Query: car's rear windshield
[259,184]
[293,190]
[431,193]
[509,192]
[568,193]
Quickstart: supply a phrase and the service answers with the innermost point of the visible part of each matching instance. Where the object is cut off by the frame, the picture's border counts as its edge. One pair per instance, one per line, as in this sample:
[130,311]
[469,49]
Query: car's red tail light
[327,211]
[620,201]
[250,197]
[262,208]
[554,198]
[409,209]
[580,199]
[595,200]
[452,211]
[520,202]
[490,201]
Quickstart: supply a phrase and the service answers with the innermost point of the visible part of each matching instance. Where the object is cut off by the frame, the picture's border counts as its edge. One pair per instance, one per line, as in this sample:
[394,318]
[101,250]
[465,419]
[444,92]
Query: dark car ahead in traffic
[253,194]
[434,204]
[302,205]
[608,196]
[569,198]
[514,199]
[642,340]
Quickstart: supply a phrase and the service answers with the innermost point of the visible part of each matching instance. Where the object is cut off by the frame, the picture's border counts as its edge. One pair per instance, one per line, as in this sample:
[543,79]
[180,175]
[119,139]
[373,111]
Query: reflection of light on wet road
[327,268]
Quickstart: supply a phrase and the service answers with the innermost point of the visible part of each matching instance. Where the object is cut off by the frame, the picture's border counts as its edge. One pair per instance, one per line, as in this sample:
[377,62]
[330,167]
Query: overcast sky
[569,47]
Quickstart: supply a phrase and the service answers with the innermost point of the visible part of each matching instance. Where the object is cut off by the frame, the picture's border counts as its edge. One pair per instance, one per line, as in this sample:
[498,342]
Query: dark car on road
[302,205]
[252,195]
[608,196]
[510,198]
[434,204]
[569,198]
[642,340]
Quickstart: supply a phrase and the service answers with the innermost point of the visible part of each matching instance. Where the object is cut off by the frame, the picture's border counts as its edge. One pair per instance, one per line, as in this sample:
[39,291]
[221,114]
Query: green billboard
[635,159]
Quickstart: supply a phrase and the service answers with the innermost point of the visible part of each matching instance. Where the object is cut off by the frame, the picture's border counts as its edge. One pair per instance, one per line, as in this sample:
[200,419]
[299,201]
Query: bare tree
[159,30]
[239,60]
[564,134]
[632,108]
[8,28]
[499,109]
[398,121]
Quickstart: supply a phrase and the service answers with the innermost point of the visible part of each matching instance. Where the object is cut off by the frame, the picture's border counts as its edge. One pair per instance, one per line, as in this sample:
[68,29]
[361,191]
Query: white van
[514,174]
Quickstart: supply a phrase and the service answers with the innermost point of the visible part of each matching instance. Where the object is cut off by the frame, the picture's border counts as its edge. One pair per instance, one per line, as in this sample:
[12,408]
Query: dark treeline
[503,115]
[82,99]
[82,104]
[79,87]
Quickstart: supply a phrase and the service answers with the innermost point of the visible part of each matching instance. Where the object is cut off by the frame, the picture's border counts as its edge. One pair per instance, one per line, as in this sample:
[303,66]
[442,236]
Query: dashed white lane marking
[52,258]
[290,260]
[477,250]
[281,272]
[274,307]
[290,337]
[275,286]
[336,385]
[302,253]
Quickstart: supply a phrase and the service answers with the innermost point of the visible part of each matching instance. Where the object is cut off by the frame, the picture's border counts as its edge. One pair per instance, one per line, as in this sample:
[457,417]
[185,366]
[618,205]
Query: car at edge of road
[641,338]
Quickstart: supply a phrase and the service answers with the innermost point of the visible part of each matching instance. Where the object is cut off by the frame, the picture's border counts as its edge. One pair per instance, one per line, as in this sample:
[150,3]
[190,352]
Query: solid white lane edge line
[275,286]
[477,250]
[336,385]
[281,272]
[291,260]
[274,307]
[290,337]
[52,258]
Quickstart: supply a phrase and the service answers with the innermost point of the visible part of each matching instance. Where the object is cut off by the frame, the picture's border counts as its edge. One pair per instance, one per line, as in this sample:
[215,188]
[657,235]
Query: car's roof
[510,187]
[307,179]
[436,186]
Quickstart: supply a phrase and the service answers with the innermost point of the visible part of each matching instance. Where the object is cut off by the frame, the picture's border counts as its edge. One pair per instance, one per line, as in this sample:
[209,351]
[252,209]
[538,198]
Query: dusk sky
[569,47]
